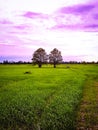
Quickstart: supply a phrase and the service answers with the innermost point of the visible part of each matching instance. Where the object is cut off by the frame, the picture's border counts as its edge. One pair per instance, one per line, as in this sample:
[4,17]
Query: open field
[64,98]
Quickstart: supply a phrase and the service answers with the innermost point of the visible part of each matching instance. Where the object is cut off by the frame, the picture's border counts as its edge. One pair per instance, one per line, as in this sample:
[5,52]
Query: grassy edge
[87,117]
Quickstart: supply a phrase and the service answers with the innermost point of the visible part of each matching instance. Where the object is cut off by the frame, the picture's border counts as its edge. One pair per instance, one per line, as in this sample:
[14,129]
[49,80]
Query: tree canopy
[39,57]
[55,57]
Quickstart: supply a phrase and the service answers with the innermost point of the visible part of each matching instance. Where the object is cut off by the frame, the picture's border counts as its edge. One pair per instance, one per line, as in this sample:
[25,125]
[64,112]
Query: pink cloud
[88,27]
[4,21]
[34,15]
[76,9]
[67,27]
[95,16]
[77,17]
[22,26]
[92,26]
[31,14]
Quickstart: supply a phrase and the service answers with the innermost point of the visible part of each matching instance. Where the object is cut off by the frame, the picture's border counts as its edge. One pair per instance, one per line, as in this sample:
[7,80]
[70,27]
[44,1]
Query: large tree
[40,57]
[55,57]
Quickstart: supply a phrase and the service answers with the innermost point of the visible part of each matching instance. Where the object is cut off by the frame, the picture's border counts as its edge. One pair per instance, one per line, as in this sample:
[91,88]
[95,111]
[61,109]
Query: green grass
[88,114]
[46,99]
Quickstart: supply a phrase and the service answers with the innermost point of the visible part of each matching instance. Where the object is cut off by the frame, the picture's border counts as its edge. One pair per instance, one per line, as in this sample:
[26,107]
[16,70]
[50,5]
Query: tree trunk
[54,65]
[40,65]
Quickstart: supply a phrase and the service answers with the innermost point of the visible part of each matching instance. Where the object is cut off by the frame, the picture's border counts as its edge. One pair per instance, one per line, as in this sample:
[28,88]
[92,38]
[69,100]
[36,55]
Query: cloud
[84,8]
[77,17]
[67,27]
[95,16]
[33,15]
[92,26]
[76,9]
[4,21]
[21,26]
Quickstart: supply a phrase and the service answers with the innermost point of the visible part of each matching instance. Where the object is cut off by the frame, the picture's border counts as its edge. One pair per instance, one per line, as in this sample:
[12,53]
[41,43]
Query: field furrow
[88,113]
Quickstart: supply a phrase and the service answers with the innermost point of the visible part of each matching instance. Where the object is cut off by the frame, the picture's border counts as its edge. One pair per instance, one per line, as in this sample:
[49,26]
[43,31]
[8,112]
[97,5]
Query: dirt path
[88,112]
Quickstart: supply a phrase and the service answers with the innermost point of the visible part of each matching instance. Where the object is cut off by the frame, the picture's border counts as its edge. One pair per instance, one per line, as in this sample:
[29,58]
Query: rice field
[48,98]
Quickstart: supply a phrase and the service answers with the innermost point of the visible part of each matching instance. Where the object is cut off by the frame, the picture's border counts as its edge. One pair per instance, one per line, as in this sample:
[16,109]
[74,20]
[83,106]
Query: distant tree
[20,62]
[5,62]
[40,57]
[55,57]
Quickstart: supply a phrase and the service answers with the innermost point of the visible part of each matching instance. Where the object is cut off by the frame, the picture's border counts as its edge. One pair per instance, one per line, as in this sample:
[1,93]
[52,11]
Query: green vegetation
[45,98]
[88,113]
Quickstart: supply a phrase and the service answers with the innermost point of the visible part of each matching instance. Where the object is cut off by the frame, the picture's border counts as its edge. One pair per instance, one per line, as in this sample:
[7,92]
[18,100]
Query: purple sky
[69,25]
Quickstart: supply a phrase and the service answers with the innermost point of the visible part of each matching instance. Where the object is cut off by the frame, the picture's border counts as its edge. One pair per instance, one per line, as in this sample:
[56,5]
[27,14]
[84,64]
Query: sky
[71,26]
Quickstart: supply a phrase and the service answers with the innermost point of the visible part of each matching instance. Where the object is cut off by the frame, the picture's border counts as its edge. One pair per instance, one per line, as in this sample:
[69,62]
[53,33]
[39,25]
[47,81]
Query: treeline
[64,62]
[80,62]
[15,62]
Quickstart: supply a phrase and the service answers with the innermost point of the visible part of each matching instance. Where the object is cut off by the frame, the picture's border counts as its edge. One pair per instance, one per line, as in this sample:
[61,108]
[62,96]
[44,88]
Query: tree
[40,57]
[55,57]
